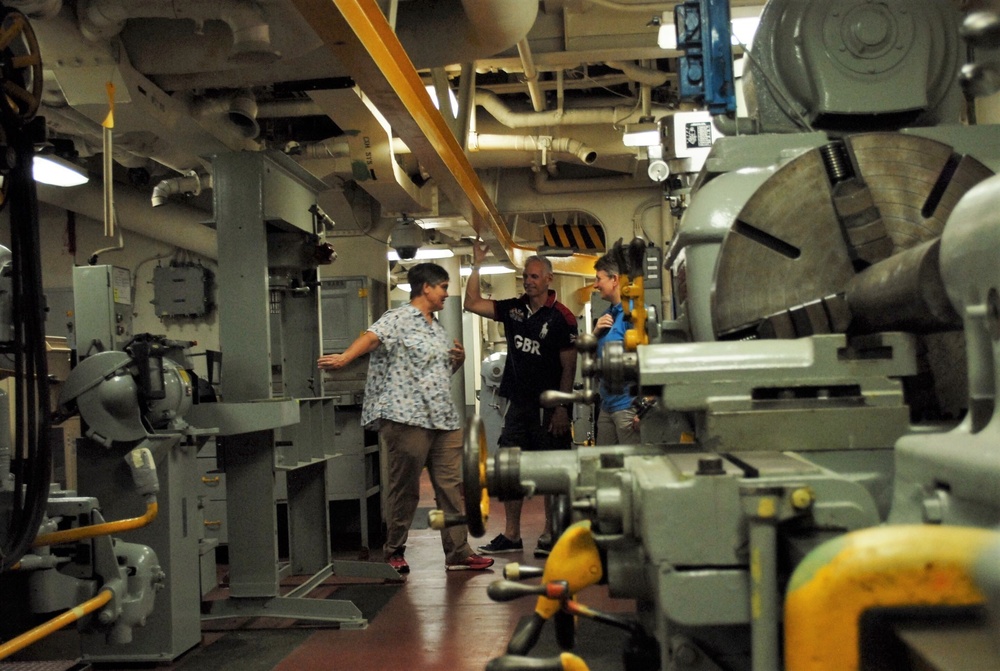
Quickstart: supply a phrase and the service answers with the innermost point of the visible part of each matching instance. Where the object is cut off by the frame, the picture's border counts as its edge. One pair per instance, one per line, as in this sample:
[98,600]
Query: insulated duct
[103,19]
[475,29]
[176,225]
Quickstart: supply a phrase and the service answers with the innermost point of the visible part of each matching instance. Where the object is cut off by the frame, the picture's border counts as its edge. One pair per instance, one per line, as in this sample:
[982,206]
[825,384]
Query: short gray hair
[539,259]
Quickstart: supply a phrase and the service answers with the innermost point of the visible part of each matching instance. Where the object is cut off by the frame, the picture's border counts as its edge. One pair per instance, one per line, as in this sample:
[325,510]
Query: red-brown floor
[439,620]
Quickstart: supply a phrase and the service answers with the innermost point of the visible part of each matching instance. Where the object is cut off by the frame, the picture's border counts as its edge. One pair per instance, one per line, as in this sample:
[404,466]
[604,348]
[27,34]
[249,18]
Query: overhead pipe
[487,142]
[531,76]
[192,183]
[643,75]
[103,19]
[557,145]
[571,117]
[326,149]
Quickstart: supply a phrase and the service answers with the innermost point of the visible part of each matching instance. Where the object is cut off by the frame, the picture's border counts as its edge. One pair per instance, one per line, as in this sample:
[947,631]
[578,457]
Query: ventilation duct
[103,19]
[475,29]
[373,164]
[176,225]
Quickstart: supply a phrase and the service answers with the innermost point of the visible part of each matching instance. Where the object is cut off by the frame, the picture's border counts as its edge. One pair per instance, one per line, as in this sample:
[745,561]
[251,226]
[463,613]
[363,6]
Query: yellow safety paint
[575,559]
[571,662]
[904,565]
[766,508]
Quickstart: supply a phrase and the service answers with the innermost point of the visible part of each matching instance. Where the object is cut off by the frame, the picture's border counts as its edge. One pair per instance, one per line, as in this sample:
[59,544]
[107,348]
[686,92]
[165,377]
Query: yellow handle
[55,624]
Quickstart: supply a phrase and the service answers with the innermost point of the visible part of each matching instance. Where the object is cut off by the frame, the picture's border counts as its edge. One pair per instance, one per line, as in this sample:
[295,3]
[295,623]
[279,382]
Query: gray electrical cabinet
[102,308]
[349,306]
[182,291]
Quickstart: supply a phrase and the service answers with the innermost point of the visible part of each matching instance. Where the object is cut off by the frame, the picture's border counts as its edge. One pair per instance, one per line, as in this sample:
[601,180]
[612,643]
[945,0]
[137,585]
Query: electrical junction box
[182,291]
[102,308]
[349,306]
[689,139]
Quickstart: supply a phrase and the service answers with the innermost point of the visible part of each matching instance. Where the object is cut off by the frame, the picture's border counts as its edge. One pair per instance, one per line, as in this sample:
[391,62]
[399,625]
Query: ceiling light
[404,286]
[424,253]
[57,171]
[486,270]
[642,134]
[555,252]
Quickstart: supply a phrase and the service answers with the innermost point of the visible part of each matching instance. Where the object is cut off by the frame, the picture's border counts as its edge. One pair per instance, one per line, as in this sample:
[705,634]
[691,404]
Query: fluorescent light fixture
[644,134]
[486,270]
[404,286]
[432,92]
[57,171]
[423,254]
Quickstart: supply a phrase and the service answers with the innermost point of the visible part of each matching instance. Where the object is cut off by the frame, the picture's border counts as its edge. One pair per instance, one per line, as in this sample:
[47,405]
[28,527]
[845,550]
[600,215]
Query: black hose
[32,415]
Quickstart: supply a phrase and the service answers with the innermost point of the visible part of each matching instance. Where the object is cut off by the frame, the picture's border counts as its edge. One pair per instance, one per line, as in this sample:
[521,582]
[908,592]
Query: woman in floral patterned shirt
[408,401]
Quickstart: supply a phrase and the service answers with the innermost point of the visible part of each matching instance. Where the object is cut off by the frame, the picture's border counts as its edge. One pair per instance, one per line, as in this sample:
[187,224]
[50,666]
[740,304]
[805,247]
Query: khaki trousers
[616,428]
[410,449]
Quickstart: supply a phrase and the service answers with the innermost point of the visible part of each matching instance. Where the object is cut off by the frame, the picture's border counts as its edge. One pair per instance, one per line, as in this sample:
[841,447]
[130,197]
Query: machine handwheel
[477,498]
[20,65]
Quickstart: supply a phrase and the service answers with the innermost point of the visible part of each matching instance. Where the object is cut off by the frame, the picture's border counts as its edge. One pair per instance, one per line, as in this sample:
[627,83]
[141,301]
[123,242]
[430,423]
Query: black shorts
[526,426]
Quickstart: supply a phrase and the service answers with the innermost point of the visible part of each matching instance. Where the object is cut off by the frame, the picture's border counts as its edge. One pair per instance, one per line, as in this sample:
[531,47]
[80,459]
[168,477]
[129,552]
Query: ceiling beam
[358,35]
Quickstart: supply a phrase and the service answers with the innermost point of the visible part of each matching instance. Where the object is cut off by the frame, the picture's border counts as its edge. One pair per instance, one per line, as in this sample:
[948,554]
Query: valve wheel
[20,65]
[477,498]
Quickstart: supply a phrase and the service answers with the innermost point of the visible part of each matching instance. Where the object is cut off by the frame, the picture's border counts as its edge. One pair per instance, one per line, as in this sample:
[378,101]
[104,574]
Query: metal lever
[438,519]
[516,571]
[586,345]
[506,590]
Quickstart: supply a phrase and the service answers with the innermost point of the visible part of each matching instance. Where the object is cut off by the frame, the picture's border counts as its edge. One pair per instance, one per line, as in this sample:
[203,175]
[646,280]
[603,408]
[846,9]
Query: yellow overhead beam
[358,35]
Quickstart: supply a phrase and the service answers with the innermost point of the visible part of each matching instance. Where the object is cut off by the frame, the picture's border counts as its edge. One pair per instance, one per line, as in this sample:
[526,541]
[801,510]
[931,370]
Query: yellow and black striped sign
[582,237]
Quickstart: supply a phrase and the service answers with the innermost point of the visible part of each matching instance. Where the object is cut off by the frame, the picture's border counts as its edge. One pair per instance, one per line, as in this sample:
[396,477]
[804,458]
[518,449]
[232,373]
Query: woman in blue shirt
[616,423]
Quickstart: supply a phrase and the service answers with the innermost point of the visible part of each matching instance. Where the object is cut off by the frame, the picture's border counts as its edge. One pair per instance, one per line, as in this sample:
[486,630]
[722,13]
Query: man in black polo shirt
[540,334]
